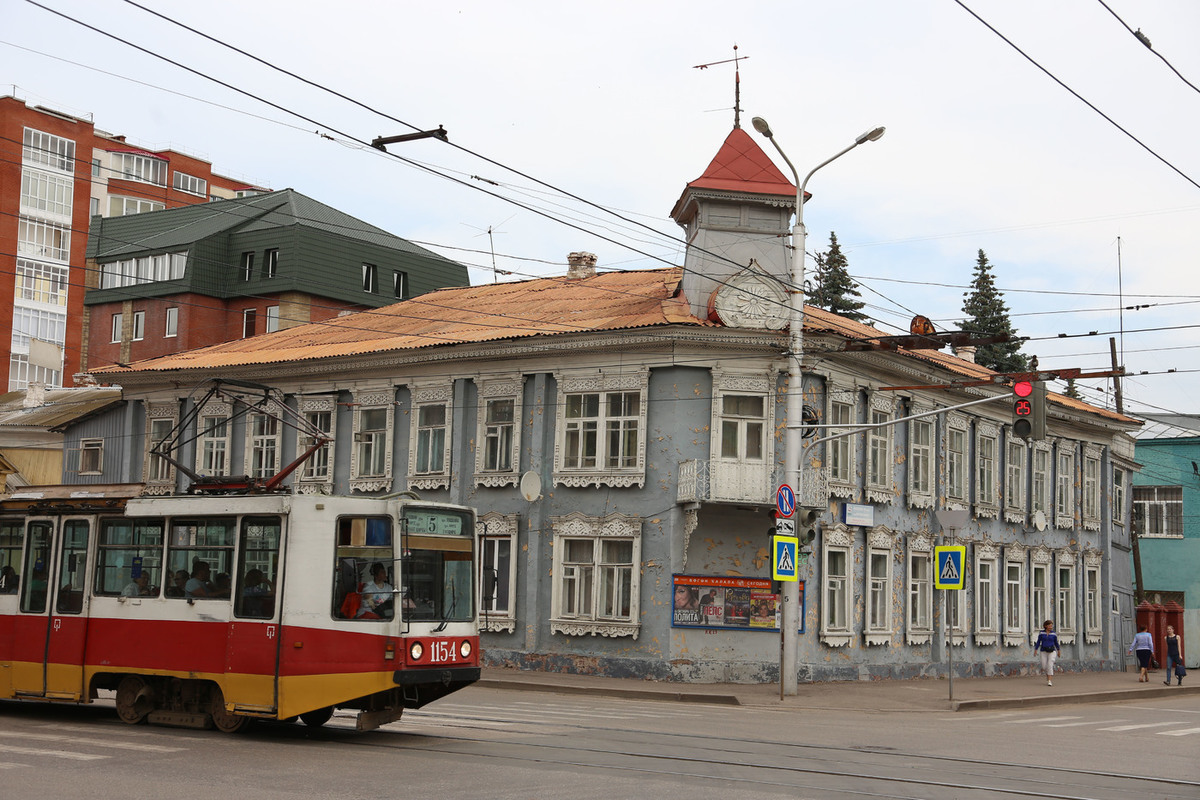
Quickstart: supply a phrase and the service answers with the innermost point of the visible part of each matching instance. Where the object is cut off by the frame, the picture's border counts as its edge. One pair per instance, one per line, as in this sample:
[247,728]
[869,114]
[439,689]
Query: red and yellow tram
[222,609]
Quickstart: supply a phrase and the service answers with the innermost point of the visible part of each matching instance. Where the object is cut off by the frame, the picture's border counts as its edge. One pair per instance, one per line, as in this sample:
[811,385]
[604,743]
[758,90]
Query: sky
[558,113]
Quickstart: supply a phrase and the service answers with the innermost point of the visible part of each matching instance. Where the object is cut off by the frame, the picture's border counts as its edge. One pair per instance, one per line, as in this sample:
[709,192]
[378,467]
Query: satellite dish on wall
[1039,520]
[531,486]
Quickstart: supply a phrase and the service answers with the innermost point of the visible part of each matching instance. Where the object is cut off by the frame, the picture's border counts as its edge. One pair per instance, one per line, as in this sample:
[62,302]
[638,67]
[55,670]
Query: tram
[215,610]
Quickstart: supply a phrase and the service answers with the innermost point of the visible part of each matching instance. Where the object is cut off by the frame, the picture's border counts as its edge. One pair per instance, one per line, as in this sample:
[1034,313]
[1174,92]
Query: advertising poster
[718,603]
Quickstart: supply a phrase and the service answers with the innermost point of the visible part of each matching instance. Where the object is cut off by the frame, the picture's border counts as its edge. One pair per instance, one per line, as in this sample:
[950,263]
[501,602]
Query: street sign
[785,500]
[950,560]
[783,560]
[785,527]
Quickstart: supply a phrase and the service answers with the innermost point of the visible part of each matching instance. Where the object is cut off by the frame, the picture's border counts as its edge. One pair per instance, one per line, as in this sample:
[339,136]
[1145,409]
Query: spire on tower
[737,83]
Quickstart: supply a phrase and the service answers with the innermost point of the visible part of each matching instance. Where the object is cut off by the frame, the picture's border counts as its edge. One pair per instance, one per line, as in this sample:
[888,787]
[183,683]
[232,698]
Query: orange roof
[742,166]
[491,312]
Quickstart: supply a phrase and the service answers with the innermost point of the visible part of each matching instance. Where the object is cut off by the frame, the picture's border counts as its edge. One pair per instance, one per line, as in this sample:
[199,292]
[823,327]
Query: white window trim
[171,323]
[987,498]
[921,459]
[842,485]
[252,442]
[1040,557]
[1093,625]
[1016,636]
[837,539]
[920,548]
[1016,466]
[738,479]
[91,446]
[1163,505]
[272,319]
[1064,485]
[986,630]
[1066,623]
[884,405]
[139,326]
[224,410]
[372,398]
[155,412]
[118,328]
[881,541]
[316,484]
[492,526]
[1119,495]
[958,423]
[501,387]
[602,383]
[1044,501]
[1090,496]
[439,394]
[613,526]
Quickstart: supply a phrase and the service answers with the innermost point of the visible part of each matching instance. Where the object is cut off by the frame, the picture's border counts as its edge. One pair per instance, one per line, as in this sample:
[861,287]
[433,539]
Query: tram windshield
[437,573]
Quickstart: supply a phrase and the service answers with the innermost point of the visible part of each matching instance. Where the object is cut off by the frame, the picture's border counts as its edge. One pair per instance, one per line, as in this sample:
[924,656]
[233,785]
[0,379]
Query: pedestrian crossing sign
[950,559]
[783,561]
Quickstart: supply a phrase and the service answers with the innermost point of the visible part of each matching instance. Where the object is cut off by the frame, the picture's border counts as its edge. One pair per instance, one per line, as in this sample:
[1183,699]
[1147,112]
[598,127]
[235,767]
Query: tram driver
[377,595]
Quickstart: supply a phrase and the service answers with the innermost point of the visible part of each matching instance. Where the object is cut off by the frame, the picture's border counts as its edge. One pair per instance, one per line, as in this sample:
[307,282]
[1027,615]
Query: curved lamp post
[790,625]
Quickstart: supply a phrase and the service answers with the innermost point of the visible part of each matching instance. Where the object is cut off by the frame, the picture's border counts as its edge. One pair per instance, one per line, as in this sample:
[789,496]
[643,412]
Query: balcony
[723,481]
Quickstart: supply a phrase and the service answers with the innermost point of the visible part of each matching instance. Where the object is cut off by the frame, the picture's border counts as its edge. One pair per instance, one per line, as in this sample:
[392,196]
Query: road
[499,743]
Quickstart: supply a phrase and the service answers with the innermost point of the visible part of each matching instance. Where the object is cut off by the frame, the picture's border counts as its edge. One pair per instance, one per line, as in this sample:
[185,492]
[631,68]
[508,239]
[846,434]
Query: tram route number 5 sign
[950,560]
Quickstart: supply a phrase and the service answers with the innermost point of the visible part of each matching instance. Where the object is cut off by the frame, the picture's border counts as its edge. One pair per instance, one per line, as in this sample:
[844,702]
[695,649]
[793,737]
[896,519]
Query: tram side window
[72,568]
[200,557]
[37,564]
[129,557]
[258,568]
[12,536]
[361,544]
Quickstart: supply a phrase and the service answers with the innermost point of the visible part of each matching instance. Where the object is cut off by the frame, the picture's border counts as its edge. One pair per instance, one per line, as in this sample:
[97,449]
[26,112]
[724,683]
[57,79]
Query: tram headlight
[416,650]
[464,649]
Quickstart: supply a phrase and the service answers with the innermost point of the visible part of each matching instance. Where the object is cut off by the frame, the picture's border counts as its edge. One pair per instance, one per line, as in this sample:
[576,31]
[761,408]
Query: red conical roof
[742,166]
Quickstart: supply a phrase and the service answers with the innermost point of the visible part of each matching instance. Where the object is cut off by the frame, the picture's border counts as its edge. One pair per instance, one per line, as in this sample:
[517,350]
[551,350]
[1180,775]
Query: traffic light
[806,525]
[1029,410]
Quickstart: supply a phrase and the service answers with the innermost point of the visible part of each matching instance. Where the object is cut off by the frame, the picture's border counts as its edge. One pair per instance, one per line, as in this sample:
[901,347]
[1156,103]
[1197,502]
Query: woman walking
[1048,649]
[1143,645]
[1174,657]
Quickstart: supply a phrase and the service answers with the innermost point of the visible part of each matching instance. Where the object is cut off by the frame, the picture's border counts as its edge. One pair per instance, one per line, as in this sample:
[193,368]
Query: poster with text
[722,603]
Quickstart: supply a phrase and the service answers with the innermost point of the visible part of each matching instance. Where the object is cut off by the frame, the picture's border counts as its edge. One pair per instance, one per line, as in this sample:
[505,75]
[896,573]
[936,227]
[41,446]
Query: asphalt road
[499,743]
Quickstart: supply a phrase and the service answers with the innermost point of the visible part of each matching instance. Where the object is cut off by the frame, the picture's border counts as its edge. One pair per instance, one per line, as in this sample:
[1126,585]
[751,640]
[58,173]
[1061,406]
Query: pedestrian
[1048,649]
[1174,656]
[1143,645]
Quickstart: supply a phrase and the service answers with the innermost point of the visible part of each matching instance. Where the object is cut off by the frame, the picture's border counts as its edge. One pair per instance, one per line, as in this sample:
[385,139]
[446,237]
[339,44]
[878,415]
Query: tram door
[252,648]
[51,625]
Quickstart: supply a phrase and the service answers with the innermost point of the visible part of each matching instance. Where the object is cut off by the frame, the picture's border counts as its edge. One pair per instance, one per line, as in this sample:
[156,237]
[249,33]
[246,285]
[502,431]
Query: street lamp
[788,680]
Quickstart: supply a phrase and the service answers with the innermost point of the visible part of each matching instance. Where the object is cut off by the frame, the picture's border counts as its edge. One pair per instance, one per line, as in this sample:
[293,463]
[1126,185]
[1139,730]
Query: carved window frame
[842,483]
[270,410]
[987,469]
[958,427]
[1041,558]
[495,528]
[987,630]
[919,592]
[160,415]
[1119,494]
[921,459]
[492,390]
[1016,465]
[307,479]
[837,540]
[881,548]
[754,384]
[1041,492]
[1090,479]
[428,396]
[213,411]
[614,526]
[1016,614]
[881,408]
[372,399]
[1064,485]
[602,383]
[1093,596]
[1066,603]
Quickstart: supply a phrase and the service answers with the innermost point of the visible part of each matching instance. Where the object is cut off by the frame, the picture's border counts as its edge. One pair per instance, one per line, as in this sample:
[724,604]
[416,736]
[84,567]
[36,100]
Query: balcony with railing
[754,482]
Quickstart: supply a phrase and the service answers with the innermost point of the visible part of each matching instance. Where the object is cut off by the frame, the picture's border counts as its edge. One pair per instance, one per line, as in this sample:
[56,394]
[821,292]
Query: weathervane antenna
[737,82]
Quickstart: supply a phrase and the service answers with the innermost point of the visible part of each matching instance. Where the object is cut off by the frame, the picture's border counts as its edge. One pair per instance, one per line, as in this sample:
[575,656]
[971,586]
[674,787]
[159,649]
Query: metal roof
[59,407]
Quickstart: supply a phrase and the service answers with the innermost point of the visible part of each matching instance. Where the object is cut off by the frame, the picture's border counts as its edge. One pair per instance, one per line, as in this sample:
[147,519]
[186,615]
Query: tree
[987,315]
[835,290]
[1072,391]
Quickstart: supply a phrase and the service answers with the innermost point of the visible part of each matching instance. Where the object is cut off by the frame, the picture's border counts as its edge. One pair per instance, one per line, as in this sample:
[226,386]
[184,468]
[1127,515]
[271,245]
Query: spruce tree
[1072,391]
[835,290]
[987,315]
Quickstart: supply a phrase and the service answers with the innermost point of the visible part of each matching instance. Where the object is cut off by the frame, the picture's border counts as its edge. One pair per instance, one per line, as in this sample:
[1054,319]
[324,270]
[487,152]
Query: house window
[134,167]
[47,194]
[1064,489]
[370,279]
[1092,600]
[213,445]
[920,596]
[316,468]
[431,439]
[1066,600]
[879,596]
[985,599]
[249,319]
[371,459]
[1015,607]
[601,429]
[139,326]
[1158,511]
[836,595]
[263,441]
[742,426]
[171,325]
[840,464]
[1091,489]
[158,469]
[371,441]
[271,263]
[1118,496]
[956,464]
[1039,600]
[497,431]
[91,456]
[1041,481]
[597,575]
[272,319]
[121,206]
[956,605]
[118,323]
[178,265]
[498,572]
[985,475]
[879,453]
[41,283]
[190,184]
[1014,479]
[921,461]
[399,284]
[247,266]
[43,240]
[499,420]
[48,151]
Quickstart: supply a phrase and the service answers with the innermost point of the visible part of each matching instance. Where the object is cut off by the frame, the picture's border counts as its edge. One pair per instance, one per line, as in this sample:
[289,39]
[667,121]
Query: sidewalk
[914,695]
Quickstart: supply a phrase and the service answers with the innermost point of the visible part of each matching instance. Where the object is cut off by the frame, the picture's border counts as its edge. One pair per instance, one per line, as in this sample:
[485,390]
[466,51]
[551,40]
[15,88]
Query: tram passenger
[198,584]
[377,597]
[138,587]
[9,580]
[256,595]
[223,586]
[178,589]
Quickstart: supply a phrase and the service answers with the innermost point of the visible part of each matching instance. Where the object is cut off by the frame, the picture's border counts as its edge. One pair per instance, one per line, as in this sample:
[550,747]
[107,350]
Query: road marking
[1184,732]
[1137,727]
[1039,719]
[1088,722]
[51,737]
[11,765]
[33,751]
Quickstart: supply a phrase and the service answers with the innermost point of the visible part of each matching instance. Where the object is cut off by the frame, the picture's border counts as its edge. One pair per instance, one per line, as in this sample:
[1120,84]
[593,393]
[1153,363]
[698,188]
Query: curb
[1070,699]
[636,694]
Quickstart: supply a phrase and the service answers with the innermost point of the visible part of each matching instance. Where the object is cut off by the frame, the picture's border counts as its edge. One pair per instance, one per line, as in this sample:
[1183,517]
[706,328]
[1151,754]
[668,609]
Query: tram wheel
[222,719]
[135,699]
[317,718]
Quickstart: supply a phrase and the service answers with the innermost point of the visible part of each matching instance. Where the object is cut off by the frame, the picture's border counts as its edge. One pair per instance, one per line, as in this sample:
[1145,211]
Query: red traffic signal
[1029,410]
[1023,388]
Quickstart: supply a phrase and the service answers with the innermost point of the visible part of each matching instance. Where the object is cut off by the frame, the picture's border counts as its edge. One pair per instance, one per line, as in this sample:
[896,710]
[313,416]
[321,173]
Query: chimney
[580,265]
[35,396]
[85,379]
[966,353]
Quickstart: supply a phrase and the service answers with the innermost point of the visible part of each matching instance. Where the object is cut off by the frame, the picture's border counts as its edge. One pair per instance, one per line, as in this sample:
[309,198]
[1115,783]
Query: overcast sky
[984,150]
